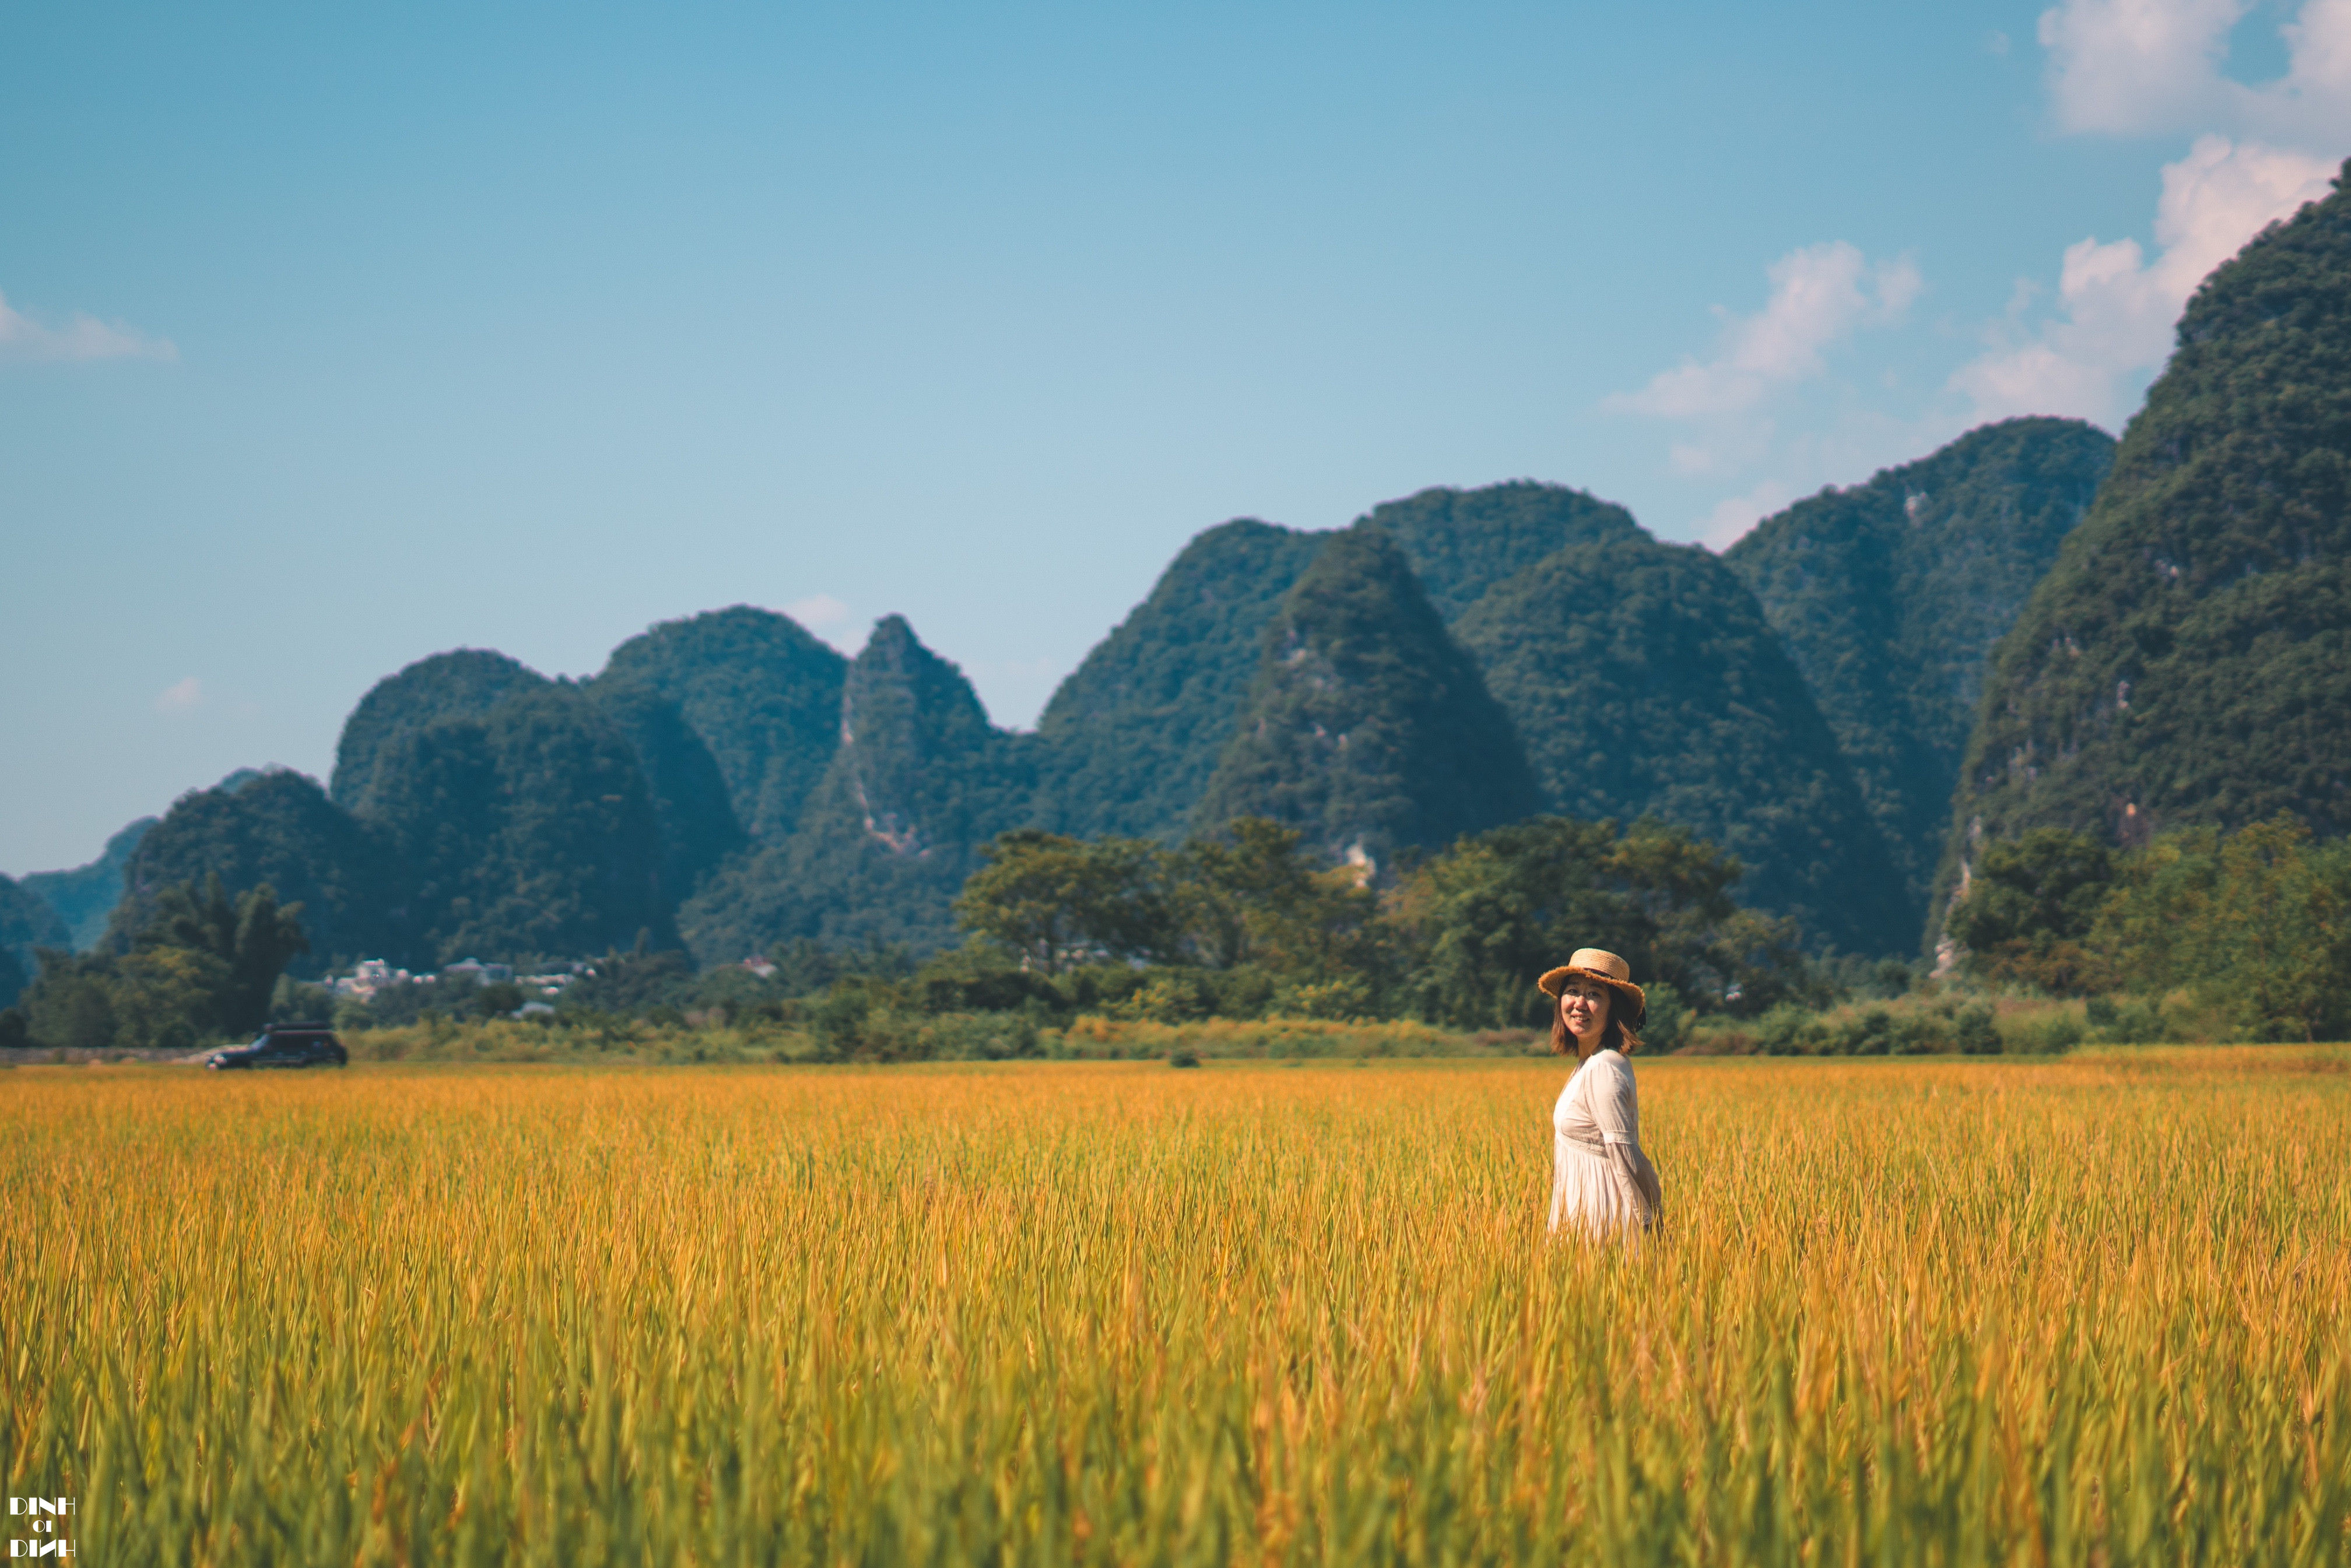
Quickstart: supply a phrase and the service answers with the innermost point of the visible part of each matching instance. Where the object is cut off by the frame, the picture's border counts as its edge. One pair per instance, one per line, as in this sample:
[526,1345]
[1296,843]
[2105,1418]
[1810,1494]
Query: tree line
[202,966]
[2253,928]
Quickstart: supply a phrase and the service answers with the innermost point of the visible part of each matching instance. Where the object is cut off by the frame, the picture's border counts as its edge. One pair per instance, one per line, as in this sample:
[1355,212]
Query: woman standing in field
[1600,1178]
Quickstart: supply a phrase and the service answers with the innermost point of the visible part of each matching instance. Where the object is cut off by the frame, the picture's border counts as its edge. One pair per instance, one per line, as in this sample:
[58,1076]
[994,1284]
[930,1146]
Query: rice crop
[2085,1310]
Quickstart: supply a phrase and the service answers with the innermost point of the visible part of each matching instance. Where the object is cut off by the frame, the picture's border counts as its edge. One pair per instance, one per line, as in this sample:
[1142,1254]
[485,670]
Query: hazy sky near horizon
[329,341]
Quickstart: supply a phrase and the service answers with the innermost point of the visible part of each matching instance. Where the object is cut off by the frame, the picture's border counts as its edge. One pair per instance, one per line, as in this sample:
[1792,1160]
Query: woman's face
[1584,1004]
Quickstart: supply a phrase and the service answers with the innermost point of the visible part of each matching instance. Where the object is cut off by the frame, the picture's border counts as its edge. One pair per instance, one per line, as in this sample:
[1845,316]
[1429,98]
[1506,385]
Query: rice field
[2087,1310]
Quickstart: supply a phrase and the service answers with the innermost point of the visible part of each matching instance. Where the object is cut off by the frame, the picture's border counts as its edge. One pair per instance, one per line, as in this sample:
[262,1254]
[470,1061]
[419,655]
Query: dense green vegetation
[1462,541]
[1253,923]
[2187,661]
[1646,682]
[2251,929]
[1889,595]
[463,684]
[28,924]
[691,808]
[1249,924]
[1132,738]
[1456,662]
[1366,726]
[526,834]
[2028,910]
[1482,919]
[763,695]
[203,966]
[919,781]
[85,897]
[277,829]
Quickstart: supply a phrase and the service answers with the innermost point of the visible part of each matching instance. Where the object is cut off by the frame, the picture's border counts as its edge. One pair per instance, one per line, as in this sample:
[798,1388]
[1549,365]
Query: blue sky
[332,341]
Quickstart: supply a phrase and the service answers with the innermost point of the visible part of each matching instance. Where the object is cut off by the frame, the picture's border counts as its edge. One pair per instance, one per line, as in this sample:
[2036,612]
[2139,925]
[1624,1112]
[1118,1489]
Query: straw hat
[1597,964]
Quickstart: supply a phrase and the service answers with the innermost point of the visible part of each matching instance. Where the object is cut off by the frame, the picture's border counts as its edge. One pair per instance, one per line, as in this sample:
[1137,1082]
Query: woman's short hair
[1614,1035]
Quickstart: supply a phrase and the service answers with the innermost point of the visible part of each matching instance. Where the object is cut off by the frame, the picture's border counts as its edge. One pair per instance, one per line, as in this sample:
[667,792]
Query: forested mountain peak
[1644,681]
[1132,737]
[526,833]
[1890,594]
[464,683]
[1461,542]
[907,718]
[698,825]
[85,896]
[918,782]
[2187,661]
[28,924]
[762,693]
[282,829]
[1366,726]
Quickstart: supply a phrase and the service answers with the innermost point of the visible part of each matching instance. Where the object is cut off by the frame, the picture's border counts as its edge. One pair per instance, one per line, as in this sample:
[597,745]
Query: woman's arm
[1615,1109]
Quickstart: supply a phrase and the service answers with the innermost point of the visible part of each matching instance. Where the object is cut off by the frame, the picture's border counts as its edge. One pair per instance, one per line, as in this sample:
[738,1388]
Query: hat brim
[1555,981]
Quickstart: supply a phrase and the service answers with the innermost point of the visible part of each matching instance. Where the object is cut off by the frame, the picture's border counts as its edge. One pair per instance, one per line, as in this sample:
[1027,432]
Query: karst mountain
[2031,627]
[2187,661]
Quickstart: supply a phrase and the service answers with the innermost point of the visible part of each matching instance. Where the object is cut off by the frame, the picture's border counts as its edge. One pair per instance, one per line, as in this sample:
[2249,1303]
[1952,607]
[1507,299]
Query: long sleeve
[1614,1107]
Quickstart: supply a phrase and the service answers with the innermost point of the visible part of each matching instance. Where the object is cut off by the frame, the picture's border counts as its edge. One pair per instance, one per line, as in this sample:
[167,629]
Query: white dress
[1600,1178]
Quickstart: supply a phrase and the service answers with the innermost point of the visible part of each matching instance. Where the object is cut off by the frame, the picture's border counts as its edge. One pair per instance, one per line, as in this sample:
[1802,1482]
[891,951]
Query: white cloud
[2129,66]
[2137,64]
[82,338]
[1723,527]
[818,611]
[2116,308]
[1820,294]
[180,697]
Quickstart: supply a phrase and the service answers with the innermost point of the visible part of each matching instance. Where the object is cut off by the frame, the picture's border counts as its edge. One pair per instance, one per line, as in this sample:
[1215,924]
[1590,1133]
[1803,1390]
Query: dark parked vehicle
[285,1046]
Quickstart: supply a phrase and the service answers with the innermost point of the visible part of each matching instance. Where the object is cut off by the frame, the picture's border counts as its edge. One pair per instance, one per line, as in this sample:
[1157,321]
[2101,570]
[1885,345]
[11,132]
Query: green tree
[1253,897]
[2029,907]
[71,1006]
[251,937]
[2256,924]
[1053,899]
[172,999]
[1484,919]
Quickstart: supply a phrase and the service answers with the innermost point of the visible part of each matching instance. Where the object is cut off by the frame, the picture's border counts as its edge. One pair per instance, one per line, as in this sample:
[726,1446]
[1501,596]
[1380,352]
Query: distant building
[482,973]
[759,966]
[372,976]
